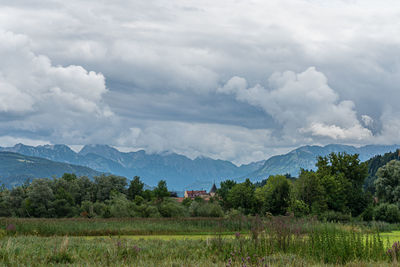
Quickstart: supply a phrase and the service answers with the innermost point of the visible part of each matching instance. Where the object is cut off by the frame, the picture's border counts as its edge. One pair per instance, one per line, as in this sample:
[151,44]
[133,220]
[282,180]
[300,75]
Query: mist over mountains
[179,171]
[305,157]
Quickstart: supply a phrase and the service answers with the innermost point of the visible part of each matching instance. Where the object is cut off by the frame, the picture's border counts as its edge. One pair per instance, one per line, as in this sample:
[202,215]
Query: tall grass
[326,243]
[129,226]
[274,241]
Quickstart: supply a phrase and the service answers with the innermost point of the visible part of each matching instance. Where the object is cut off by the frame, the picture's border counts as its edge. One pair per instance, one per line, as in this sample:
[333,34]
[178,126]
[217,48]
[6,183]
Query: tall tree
[161,191]
[274,196]
[343,166]
[135,188]
[387,184]
[241,196]
[107,184]
[223,191]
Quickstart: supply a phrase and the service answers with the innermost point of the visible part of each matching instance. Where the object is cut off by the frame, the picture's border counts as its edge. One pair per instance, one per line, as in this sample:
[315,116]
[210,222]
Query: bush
[121,207]
[171,208]
[205,210]
[99,209]
[87,209]
[299,208]
[387,212]
[368,214]
[334,216]
[152,212]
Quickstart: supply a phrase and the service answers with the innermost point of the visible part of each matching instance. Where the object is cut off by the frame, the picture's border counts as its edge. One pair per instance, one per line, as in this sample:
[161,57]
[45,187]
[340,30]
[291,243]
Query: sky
[229,79]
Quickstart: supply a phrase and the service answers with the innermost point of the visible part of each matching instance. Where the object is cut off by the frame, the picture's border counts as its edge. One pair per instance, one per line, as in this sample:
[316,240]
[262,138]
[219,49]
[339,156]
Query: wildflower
[237,234]
[11,228]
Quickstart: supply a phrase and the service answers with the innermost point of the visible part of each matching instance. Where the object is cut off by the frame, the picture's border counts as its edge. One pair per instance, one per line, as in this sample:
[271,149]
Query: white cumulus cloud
[49,98]
[302,103]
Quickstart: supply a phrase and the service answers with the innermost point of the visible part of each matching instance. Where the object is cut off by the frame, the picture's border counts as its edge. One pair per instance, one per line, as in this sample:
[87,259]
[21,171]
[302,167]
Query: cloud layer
[238,80]
[304,105]
[37,96]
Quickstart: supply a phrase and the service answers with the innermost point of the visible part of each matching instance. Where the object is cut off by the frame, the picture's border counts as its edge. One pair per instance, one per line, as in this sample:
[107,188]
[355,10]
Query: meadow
[241,241]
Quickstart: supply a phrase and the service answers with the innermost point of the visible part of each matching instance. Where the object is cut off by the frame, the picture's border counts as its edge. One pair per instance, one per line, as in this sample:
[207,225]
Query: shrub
[151,212]
[205,210]
[170,208]
[299,208]
[87,209]
[368,214]
[121,207]
[99,208]
[387,212]
[334,216]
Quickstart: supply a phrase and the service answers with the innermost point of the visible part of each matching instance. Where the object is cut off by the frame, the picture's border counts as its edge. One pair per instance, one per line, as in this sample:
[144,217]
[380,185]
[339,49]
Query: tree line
[335,191]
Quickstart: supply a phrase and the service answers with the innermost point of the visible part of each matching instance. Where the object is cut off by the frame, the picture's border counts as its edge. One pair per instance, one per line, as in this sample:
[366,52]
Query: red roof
[196,193]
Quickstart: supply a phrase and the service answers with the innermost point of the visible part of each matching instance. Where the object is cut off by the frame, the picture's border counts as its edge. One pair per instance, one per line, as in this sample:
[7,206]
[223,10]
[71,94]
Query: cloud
[367,120]
[9,141]
[234,143]
[81,72]
[302,103]
[36,95]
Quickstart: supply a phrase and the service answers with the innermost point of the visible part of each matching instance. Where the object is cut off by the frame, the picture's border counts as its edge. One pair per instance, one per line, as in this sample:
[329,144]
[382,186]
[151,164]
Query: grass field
[280,241]
[129,226]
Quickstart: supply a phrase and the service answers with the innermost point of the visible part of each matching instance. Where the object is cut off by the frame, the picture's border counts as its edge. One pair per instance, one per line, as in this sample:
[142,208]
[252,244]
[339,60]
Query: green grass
[80,251]
[106,227]
[277,241]
[393,236]
[169,237]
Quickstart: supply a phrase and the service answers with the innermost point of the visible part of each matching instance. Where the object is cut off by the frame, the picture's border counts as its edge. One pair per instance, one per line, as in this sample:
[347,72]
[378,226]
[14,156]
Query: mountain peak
[99,149]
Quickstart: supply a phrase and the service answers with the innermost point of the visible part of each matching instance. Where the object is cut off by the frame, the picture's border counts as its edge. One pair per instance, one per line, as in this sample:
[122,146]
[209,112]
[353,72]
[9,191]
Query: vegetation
[324,217]
[271,241]
[336,191]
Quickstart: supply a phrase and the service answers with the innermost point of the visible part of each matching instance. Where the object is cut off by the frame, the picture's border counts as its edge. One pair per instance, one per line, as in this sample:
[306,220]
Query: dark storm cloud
[239,80]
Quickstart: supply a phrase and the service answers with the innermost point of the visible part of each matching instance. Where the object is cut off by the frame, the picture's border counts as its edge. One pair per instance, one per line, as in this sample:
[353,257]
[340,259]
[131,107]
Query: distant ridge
[16,168]
[306,157]
[181,172]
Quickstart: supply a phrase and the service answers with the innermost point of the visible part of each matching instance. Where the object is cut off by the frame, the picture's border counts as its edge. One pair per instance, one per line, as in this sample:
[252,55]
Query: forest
[342,189]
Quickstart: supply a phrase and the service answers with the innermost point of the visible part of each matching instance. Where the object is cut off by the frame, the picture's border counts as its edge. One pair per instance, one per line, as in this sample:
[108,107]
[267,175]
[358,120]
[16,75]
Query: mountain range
[15,169]
[181,172]
[306,157]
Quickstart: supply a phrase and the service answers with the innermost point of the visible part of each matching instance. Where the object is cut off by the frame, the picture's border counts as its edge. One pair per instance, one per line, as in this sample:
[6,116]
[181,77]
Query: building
[195,193]
[213,190]
[201,193]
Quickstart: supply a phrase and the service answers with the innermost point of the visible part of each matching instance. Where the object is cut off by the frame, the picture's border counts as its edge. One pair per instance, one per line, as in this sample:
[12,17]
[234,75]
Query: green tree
[223,192]
[310,191]
[105,185]
[161,191]
[352,170]
[274,196]
[120,206]
[5,205]
[17,197]
[387,212]
[40,196]
[335,189]
[87,190]
[135,188]
[387,184]
[171,208]
[241,196]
